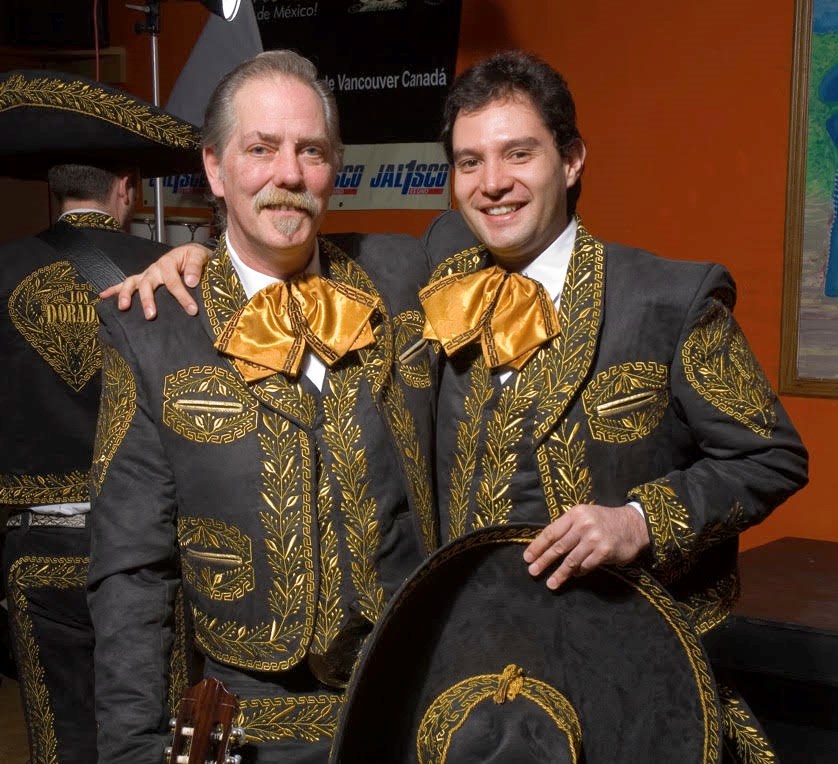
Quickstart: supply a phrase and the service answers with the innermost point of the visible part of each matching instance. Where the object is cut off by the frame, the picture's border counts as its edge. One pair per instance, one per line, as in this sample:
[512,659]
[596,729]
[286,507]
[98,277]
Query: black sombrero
[475,661]
[49,118]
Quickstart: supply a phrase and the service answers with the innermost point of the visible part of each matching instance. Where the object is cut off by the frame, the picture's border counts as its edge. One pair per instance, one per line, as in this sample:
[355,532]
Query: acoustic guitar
[203,731]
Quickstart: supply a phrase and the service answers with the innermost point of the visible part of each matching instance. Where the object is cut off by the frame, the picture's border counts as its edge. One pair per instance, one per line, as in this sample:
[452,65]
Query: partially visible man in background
[91,143]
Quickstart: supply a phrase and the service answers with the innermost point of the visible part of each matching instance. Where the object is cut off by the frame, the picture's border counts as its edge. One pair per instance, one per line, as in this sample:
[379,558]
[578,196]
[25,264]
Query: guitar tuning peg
[237,759]
[172,724]
[167,753]
[237,736]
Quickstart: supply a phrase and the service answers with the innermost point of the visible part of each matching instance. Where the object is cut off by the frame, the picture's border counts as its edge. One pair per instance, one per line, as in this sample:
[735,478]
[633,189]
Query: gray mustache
[271,197]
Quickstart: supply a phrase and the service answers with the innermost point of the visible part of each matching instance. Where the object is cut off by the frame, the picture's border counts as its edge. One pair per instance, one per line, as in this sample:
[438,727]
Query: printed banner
[392,176]
[389,62]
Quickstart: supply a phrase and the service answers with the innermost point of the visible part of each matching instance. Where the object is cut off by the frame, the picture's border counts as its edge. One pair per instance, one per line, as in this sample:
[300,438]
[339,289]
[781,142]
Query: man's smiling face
[510,180]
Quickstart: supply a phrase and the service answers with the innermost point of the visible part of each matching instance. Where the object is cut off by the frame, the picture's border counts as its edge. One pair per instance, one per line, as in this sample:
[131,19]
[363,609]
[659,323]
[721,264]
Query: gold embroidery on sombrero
[82,98]
[449,711]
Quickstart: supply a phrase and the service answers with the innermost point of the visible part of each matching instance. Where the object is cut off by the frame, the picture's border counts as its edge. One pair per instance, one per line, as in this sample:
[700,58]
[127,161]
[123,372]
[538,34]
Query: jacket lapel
[566,361]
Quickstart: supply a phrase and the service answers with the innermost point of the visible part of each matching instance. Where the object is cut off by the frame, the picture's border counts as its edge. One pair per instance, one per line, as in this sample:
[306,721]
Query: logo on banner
[348,180]
[412,178]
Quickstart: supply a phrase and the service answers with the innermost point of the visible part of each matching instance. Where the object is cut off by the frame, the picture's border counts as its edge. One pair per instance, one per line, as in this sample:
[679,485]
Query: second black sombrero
[475,661]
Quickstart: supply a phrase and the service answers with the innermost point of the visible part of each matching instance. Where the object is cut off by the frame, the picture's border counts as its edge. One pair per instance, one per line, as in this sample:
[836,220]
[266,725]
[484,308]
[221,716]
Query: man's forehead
[515,98]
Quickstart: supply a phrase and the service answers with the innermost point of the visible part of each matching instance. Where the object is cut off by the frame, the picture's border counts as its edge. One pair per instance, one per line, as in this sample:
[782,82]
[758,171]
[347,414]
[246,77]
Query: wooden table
[780,645]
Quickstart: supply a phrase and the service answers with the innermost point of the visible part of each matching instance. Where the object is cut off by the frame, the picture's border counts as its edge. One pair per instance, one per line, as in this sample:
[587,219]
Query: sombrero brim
[49,118]
[611,645]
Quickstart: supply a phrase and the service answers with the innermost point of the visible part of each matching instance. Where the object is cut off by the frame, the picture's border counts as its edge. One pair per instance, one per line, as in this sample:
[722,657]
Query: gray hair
[220,116]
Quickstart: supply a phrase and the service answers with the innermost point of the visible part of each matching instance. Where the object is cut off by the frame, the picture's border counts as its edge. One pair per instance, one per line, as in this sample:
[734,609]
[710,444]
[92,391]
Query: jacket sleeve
[133,575]
[749,456]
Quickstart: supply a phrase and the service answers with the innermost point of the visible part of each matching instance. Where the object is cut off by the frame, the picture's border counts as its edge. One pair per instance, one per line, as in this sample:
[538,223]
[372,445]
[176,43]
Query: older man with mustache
[278,445]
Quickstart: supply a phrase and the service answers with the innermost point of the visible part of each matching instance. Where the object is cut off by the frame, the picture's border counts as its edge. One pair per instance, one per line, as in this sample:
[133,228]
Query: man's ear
[574,162]
[123,197]
[212,168]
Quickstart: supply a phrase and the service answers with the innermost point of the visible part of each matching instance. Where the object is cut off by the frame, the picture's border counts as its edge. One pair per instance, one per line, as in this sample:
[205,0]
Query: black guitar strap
[75,245]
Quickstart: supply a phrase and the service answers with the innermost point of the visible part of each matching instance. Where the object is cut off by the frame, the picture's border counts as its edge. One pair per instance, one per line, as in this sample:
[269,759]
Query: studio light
[227,9]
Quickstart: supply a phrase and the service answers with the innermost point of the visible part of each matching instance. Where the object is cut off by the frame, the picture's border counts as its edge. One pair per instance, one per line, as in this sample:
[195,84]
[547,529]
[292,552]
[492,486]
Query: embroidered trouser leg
[45,571]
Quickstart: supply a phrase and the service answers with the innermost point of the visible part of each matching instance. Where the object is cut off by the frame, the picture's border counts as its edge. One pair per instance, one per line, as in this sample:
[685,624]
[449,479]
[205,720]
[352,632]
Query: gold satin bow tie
[270,333]
[511,314]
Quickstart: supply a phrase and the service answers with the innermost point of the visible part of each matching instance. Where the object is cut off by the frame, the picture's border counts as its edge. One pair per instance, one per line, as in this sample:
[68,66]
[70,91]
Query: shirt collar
[550,267]
[253,281]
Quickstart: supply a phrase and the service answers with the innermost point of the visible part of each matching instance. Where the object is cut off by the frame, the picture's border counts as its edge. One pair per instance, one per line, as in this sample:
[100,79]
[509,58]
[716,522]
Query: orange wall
[684,108]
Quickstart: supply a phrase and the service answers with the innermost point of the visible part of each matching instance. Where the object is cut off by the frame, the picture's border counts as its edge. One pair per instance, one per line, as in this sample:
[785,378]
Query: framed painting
[809,338]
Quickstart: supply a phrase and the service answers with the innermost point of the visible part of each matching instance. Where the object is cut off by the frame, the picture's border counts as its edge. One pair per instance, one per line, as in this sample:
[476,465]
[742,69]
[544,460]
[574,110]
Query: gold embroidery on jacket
[743,731]
[707,608]
[287,486]
[207,404]
[498,463]
[668,519]
[25,574]
[83,98]
[377,361]
[413,362]
[466,261]
[44,489]
[414,462]
[563,455]
[342,434]
[626,402]
[465,461]
[304,717]
[56,315]
[567,357]
[329,614]
[216,558]
[449,710]
[118,404]
[92,220]
[722,370]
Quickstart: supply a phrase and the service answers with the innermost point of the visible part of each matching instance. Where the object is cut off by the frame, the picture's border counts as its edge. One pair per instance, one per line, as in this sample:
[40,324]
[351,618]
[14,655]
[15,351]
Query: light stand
[152,26]
[227,9]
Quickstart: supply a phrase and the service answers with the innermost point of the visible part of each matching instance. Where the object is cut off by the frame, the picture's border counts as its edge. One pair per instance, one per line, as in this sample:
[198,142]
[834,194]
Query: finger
[182,295]
[147,299]
[577,563]
[548,536]
[563,546]
[111,290]
[196,259]
[126,291]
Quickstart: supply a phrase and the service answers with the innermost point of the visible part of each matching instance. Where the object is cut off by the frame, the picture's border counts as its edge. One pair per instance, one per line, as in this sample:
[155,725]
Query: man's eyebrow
[523,142]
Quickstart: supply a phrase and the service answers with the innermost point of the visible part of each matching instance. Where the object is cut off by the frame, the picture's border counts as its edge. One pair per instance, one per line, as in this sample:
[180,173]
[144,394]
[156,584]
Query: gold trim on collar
[92,220]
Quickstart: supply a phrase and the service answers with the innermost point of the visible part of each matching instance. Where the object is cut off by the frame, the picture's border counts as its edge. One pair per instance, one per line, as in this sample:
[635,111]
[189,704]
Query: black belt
[29,518]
